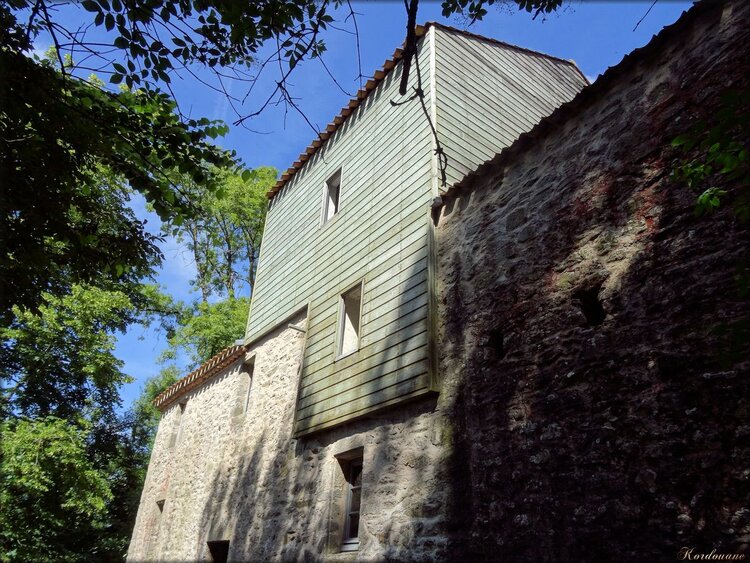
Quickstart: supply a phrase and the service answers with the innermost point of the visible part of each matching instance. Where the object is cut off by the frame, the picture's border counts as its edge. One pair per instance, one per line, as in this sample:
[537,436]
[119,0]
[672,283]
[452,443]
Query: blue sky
[596,35]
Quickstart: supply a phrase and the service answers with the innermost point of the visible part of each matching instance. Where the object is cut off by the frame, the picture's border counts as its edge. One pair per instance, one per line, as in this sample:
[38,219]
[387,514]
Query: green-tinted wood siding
[488,94]
[379,235]
[485,96]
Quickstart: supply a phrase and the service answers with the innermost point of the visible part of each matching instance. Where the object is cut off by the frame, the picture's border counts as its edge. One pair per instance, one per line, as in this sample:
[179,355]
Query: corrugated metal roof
[199,376]
[371,84]
[585,97]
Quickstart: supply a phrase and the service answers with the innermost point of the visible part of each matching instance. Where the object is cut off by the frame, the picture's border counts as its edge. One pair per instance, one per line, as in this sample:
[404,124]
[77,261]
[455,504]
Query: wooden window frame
[338,176]
[349,542]
[339,342]
[339,534]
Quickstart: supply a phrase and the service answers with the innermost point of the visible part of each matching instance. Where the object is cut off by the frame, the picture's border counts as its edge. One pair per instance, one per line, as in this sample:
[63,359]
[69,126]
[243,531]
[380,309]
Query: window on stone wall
[160,504]
[244,387]
[331,195]
[350,312]
[177,424]
[353,470]
[219,550]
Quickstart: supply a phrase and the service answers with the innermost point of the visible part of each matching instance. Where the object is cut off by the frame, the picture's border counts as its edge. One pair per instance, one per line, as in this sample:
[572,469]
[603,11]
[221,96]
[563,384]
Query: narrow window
[353,504]
[177,425]
[219,550]
[349,321]
[160,504]
[246,384]
[331,197]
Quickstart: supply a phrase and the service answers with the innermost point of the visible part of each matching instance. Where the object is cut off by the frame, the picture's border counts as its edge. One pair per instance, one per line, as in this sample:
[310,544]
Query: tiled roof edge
[371,84]
[197,377]
[586,96]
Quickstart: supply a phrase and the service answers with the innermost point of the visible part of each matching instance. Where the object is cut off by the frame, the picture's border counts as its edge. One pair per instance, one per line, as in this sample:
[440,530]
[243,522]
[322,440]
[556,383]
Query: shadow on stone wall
[272,496]
[596,419]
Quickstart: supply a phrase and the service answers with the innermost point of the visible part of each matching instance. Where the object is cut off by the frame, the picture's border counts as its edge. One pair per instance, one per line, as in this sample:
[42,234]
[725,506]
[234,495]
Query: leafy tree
[224,233]
[67,149]
[59,360]
[60,365]
[715,152]
[144,416]
[52,497]
[476,10]
[208,329]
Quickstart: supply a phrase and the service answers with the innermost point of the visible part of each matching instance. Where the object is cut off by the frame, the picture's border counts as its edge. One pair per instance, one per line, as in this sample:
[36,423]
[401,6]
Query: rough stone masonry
[592,317]
[587,411]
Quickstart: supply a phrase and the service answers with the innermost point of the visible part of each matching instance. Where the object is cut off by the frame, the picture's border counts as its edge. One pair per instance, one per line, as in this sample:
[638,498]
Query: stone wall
[589,314]
[246,479]
[586,409]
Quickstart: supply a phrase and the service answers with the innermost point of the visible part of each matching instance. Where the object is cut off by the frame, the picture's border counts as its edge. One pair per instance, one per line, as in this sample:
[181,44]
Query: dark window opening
[497,342]
[247,374]
[353,505]
[349,321]
[160,504]
[591,306]
[219,550]
[331,197]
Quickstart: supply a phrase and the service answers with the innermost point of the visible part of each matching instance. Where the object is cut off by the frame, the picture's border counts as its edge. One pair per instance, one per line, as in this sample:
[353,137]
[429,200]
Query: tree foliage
[476,10]
[224,233]
[67,150]
[209,328]
[59,360]
[715,152]
[52,498]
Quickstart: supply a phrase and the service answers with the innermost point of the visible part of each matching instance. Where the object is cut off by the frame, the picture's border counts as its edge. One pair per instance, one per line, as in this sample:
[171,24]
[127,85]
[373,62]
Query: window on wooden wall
[331,196]
[350,313]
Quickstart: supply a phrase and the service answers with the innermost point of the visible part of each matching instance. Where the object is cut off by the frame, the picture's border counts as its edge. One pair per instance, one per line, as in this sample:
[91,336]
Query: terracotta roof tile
[198,377]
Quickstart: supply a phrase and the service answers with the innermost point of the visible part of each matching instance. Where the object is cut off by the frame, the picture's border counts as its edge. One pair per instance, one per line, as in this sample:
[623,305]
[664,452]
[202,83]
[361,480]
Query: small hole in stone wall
[497,342]
[591,306]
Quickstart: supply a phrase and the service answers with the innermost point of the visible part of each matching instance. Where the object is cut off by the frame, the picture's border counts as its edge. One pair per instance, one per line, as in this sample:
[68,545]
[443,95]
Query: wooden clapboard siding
[487,94]
[363,221]
[482,96]
[379,236]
